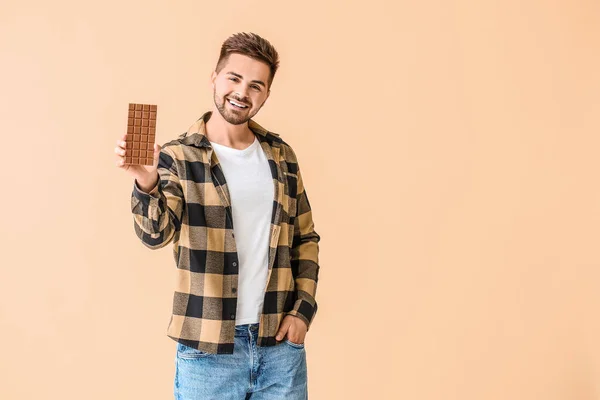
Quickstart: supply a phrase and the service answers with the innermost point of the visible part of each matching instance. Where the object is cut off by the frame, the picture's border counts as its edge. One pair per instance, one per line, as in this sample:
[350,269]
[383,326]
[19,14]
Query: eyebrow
[241,77]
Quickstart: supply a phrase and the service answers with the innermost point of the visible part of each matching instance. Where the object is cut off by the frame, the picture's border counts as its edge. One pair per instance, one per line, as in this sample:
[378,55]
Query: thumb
[282,330]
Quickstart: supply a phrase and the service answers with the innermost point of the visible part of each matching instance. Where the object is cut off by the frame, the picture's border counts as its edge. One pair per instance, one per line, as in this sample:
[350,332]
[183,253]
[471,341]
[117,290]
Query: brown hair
[250,45]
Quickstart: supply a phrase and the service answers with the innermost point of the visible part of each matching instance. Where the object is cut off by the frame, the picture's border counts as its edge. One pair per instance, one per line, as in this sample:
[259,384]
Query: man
[229,195]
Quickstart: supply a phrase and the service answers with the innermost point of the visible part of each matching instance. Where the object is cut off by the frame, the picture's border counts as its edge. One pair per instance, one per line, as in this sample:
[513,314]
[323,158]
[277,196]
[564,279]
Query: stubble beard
[228,115]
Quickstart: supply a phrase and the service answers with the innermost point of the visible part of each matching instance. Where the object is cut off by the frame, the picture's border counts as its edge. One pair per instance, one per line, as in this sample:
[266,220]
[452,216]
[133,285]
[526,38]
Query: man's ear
[265,100]
[213,76]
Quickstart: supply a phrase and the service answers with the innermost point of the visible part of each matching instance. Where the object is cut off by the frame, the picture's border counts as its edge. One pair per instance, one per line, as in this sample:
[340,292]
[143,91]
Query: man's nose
[240,92]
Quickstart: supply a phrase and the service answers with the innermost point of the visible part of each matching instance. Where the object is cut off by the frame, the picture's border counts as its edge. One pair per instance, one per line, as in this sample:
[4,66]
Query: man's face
[243,80]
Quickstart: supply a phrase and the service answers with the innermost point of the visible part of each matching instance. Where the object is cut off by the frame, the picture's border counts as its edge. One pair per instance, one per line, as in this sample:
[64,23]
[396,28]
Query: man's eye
[254,86]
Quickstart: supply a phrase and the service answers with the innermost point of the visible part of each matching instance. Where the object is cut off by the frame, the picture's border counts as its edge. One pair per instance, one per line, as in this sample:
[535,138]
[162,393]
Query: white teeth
[236,104]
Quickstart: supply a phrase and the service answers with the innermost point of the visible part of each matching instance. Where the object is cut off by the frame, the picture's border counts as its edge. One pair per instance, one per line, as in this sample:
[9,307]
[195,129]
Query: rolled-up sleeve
[157,214]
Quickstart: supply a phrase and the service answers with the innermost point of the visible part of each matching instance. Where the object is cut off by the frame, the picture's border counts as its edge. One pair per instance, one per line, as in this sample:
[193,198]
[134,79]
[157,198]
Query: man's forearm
[157,204]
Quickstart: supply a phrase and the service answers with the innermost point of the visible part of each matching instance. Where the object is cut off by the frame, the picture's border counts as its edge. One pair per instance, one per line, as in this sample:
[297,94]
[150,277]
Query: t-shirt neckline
[237,151]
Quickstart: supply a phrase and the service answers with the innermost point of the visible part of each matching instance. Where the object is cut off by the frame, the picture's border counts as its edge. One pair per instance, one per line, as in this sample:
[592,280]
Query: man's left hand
[294,327]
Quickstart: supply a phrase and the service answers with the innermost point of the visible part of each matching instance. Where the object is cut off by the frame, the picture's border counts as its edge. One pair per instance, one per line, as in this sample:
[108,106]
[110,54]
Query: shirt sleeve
[304,256]
[157,214]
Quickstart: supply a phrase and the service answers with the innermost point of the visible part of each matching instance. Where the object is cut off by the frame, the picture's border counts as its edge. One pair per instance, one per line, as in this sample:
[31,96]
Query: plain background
[450,154]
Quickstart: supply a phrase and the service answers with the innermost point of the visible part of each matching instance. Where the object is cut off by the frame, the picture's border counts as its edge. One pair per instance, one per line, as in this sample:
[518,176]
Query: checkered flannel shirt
[190,207]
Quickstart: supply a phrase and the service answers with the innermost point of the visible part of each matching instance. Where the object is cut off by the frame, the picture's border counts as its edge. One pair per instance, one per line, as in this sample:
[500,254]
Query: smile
[236,104]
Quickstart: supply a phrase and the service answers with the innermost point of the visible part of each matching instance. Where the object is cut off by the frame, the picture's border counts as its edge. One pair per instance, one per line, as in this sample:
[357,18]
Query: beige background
[450,153]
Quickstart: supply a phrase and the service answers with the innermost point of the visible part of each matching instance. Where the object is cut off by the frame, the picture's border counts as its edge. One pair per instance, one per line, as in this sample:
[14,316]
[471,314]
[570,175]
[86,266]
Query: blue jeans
[251,372]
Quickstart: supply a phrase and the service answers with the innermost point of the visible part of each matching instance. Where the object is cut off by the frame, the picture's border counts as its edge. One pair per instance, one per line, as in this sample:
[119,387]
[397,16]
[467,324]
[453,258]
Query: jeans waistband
[247,327]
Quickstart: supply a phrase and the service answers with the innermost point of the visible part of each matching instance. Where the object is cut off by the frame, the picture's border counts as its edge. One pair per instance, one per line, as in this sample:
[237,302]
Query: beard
[230,114]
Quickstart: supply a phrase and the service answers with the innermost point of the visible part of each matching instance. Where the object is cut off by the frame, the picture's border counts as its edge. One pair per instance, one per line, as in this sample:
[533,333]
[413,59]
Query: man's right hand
[145,176]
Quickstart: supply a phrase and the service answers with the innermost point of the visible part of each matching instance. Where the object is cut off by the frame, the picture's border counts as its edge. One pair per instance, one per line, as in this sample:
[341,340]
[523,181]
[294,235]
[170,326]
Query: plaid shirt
[190,206]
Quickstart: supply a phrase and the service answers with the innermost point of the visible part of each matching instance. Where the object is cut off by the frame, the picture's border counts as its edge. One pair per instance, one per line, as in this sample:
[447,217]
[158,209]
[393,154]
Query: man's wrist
[147,186]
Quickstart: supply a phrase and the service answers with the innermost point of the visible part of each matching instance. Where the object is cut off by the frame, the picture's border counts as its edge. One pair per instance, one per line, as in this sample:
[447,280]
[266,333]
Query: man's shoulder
[287,151]
[173,142]
[176,141]
[174,149]
[276,140]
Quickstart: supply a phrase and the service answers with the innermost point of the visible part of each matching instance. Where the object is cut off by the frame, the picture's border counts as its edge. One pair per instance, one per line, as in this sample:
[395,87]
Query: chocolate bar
[141,133]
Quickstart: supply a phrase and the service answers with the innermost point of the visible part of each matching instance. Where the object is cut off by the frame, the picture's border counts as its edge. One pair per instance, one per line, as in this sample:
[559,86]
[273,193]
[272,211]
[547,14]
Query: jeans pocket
[184,351]
[295,345]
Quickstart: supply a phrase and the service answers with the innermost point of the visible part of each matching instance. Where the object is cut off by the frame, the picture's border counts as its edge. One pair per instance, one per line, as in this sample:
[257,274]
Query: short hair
[250,45]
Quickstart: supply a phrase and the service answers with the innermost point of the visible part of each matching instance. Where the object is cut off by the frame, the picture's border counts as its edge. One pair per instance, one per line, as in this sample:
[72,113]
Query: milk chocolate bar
[141,133]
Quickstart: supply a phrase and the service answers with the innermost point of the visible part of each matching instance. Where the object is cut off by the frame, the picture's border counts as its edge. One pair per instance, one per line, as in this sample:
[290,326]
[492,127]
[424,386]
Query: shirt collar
[196,134]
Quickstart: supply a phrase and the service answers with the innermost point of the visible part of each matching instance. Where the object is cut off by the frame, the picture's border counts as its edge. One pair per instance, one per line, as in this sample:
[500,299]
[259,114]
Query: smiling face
[240,88]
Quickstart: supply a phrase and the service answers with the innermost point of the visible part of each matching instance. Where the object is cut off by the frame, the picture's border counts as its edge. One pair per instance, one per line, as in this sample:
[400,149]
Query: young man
[229,195]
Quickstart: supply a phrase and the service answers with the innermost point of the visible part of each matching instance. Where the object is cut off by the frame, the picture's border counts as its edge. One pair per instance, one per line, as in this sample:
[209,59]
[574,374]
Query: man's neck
[222,132]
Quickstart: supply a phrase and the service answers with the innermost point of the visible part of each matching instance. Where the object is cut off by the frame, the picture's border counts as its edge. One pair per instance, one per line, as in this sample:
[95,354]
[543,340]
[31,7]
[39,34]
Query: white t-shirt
[251,190]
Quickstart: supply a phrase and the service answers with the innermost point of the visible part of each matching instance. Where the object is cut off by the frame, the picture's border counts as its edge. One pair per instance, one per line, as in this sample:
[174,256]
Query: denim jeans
[251,372]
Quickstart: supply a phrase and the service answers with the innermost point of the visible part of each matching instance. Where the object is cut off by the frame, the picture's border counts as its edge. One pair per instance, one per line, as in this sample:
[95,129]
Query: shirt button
[233,290]
[232,316]
[234,264]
